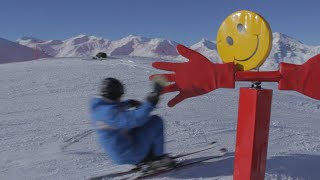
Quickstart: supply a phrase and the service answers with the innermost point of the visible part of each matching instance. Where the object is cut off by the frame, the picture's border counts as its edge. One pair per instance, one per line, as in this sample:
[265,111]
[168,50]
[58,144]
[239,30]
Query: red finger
[189,53]
[170,88]
[176,100]
[169,77]
[165,66]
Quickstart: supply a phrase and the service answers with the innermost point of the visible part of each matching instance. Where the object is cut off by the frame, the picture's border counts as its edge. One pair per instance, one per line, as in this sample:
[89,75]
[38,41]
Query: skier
[126,130]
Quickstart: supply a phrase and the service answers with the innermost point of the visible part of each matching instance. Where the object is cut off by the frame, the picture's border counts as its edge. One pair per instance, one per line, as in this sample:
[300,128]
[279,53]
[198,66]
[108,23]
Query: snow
[45,102]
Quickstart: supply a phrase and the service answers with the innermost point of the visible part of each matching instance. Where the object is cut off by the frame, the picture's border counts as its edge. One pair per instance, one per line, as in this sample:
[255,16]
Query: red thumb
[176,100]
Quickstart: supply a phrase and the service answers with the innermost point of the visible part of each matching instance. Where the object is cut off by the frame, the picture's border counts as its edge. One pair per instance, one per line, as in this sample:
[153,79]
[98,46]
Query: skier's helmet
[111,88]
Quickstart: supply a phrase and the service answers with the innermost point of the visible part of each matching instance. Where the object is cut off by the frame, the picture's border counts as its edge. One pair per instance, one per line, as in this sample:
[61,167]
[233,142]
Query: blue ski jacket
[112,121]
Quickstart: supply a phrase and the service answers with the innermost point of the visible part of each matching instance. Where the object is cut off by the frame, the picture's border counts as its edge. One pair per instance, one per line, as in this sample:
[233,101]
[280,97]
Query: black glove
[153,98]
[159,83]
[157,88]
[134,103]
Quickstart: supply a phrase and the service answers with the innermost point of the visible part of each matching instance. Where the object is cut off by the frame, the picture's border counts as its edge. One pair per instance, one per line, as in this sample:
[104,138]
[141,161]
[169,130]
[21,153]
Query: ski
[180,165]
[117,174]
[210,146]
[137,169]
[76,138]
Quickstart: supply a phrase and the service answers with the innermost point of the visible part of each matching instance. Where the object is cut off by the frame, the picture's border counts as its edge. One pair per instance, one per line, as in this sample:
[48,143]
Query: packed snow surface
[44,102]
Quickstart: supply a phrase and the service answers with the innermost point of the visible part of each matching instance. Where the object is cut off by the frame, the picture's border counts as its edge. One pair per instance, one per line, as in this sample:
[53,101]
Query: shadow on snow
[296,166]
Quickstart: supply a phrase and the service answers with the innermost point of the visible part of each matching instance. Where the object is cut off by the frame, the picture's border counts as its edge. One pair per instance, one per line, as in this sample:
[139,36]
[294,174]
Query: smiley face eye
[241,28]
[229,40]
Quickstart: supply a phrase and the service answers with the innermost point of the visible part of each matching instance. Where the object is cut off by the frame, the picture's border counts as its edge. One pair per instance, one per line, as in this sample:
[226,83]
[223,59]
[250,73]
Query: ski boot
[158,163]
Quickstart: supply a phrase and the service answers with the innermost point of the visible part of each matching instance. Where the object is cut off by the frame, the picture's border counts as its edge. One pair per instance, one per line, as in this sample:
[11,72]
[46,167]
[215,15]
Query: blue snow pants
[149,137]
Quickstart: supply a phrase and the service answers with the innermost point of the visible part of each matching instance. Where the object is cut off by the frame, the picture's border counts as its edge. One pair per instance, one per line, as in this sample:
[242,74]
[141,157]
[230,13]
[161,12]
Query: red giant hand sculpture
[195,77]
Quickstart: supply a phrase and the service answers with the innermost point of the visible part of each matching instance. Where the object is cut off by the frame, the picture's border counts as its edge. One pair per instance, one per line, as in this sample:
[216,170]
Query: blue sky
[184,21]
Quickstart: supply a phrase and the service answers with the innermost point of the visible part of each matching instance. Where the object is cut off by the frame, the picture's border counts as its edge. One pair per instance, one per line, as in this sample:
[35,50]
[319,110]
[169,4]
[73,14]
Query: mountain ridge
[284,48]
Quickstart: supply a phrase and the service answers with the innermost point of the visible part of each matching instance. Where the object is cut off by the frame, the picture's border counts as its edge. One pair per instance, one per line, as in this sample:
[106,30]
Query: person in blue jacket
[126,130]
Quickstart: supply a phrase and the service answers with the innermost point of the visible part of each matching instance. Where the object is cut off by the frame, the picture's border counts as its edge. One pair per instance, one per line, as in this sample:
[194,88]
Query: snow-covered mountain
[83,45]
[288,49]
[14,52]
[208,49]
[284,49]
[145,47]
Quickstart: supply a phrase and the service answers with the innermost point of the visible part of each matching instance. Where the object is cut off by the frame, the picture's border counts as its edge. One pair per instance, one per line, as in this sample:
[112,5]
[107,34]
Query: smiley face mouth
[246,59]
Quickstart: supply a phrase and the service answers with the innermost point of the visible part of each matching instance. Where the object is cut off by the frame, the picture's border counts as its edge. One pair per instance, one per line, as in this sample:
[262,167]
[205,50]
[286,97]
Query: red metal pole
[252,134]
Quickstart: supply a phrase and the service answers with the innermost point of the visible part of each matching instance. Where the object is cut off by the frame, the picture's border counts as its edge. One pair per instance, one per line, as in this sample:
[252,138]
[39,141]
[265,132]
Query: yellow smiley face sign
[244,38]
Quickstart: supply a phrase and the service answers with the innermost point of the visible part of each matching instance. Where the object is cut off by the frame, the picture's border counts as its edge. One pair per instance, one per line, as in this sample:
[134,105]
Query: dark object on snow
[101,55]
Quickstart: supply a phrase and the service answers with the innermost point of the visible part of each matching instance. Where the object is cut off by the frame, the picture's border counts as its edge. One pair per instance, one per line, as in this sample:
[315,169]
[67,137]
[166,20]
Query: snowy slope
[14,52]
[45,102]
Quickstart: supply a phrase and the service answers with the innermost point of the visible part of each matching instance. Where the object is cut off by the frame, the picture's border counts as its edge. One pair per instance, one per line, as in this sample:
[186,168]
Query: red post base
[252,134]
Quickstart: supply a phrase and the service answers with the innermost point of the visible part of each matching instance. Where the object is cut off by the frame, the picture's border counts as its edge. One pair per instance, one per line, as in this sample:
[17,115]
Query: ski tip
[223,151]
[213,142]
